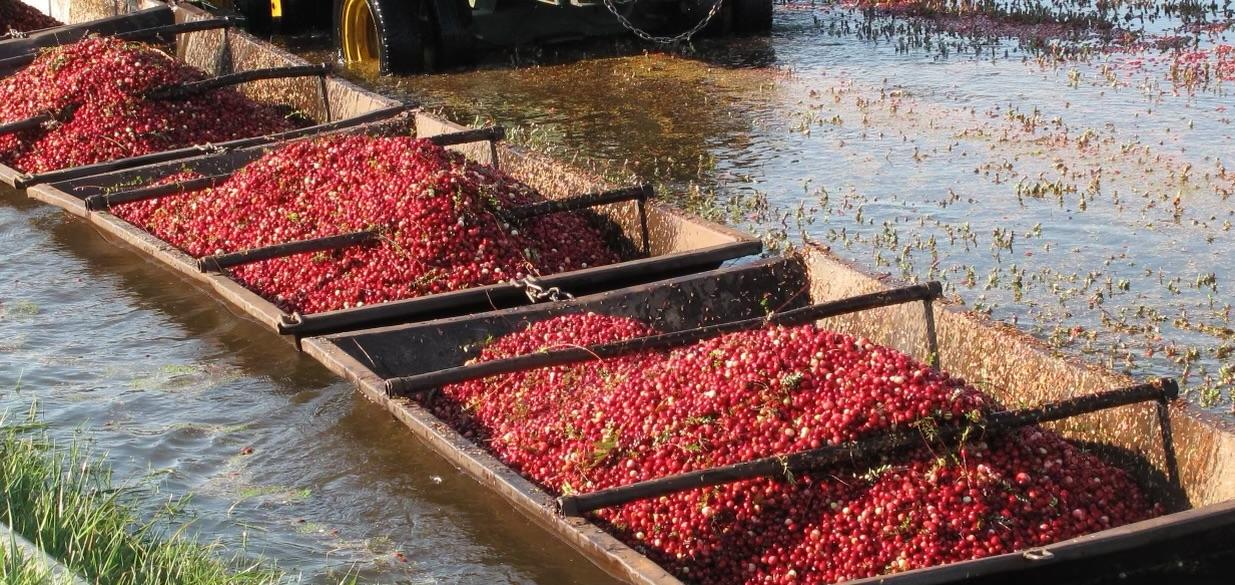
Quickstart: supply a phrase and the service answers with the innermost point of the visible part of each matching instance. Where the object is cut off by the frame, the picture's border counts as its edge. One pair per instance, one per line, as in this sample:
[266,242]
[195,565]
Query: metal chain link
[683,36]
[536,292]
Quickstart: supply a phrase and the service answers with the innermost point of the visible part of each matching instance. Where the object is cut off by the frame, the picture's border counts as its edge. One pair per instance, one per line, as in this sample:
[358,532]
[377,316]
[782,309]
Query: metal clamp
[1038,554]
[536,292]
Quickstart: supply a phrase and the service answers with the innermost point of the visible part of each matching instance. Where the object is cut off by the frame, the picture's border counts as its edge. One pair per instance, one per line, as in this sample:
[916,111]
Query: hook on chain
[536,292]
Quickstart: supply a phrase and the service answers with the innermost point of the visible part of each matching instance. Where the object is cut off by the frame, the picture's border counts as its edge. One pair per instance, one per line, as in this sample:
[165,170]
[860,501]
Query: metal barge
[1185,457]
[211,44]
[668,242]
[1179,453]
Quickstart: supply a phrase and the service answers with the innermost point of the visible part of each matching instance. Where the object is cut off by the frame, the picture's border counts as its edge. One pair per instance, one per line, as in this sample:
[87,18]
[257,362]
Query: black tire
[752,16]
[452,21]
[256,13]
[301,15]
[402,43]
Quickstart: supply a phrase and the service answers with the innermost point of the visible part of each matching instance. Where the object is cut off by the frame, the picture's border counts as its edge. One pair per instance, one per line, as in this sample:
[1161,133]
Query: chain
[683,36]
[536,292]
[210,148]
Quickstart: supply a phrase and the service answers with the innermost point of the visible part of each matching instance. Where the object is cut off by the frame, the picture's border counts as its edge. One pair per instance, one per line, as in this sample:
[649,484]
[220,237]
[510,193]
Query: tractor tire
[396,34]
[752,16]
[301,15]
[256,13]
[452,21]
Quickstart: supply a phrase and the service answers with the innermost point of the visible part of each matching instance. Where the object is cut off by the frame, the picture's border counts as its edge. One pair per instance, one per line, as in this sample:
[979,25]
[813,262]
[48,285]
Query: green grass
[62,498]
[16,569]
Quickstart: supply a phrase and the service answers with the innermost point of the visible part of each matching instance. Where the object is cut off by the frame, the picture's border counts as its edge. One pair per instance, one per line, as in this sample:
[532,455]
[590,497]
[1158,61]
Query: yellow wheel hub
[359,32]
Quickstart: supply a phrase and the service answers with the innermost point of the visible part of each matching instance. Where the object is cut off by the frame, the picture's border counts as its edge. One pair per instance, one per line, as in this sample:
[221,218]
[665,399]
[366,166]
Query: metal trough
[32,42]
[207,42]
[1155,442]
[677,243]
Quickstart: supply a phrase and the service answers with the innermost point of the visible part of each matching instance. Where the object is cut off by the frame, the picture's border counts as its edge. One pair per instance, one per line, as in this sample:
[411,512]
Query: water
[1084,198]
[176,389]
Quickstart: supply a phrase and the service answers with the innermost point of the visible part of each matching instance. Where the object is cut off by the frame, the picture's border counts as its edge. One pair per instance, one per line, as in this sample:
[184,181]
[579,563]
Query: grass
[16,569]
[62,498]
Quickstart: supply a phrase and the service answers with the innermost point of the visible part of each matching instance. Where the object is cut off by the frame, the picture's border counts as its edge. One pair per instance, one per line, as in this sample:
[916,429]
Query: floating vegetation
[18,309]
[185,377]
[1046,166]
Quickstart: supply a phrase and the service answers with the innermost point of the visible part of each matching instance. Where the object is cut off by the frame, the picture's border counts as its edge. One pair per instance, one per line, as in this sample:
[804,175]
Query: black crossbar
[865,450]
[199,87]
[182,27]
[104,201]
[26,124]
[220,262]
[407,384]
[641,193]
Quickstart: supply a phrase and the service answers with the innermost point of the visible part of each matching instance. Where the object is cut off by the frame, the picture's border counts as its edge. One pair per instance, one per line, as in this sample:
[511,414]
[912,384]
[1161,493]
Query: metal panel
[369,357]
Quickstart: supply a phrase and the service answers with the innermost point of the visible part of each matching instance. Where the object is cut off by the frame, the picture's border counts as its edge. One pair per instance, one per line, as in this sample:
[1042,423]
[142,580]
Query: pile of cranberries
[95,88]
[16,15]
[601,424]
[439,218]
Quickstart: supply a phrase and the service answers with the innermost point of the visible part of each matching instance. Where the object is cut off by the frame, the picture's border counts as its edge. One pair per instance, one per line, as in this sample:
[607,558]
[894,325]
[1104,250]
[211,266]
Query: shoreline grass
[62,498]
[17,569]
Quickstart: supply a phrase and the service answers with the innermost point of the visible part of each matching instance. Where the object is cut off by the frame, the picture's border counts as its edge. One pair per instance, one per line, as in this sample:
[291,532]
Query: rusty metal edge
[602,548]
[250,303]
